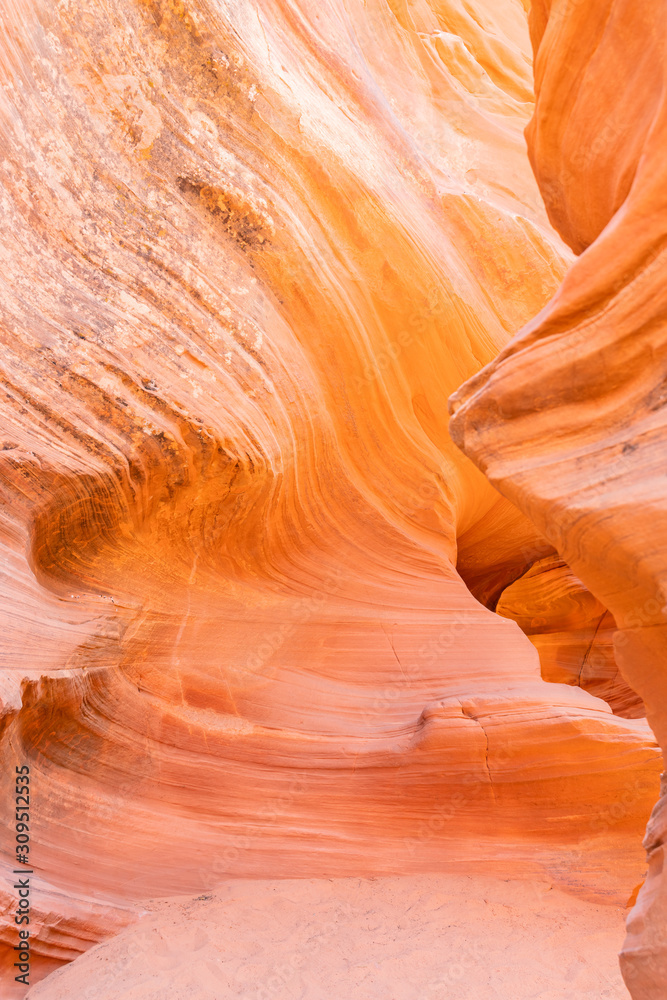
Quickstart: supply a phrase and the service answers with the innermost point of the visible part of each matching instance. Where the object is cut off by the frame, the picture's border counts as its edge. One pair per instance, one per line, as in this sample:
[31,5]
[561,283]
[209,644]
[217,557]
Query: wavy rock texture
[250,251]
[570,422]
[63,923]
[571,630]
[514,571]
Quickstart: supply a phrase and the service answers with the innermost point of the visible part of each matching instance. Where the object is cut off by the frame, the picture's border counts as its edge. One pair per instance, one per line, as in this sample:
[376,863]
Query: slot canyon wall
[569,421]
[261,617]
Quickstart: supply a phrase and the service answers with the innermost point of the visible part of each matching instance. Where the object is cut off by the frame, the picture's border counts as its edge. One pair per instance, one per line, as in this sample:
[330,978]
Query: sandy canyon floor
[430,937]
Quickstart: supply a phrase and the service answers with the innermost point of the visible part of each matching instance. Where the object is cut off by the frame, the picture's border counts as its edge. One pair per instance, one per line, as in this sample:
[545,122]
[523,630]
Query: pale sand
[430,937]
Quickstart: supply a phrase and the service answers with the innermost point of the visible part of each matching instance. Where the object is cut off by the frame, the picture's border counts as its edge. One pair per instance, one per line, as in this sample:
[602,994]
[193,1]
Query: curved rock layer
[62,925]
[571,630]
[249,253]
[513,570]
[569,422]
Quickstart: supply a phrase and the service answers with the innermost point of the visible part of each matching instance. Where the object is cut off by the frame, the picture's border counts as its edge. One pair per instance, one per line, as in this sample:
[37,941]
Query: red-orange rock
[569,421]
[249,253]
[571,630]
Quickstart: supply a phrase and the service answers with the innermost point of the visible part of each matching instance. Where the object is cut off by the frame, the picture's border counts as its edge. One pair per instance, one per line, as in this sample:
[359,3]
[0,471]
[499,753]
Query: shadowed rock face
[572,631]
[249,252]
[569,422]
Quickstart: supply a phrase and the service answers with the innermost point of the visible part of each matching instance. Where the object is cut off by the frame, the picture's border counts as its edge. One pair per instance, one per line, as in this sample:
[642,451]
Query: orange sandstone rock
[249,252]
[569,421]
[572,631]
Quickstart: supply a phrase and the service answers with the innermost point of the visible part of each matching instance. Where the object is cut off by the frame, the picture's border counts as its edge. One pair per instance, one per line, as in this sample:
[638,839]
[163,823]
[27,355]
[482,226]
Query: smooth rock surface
[249,251]
[570,422]
[571,630]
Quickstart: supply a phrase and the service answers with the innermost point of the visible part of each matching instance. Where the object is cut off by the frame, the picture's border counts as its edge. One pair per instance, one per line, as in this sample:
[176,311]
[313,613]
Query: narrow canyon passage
[262,619]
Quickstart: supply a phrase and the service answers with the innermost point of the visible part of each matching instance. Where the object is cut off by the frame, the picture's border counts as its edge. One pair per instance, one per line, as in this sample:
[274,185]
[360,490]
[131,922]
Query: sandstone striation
[569,421]
[63,924]
[249,252]
[571,630]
